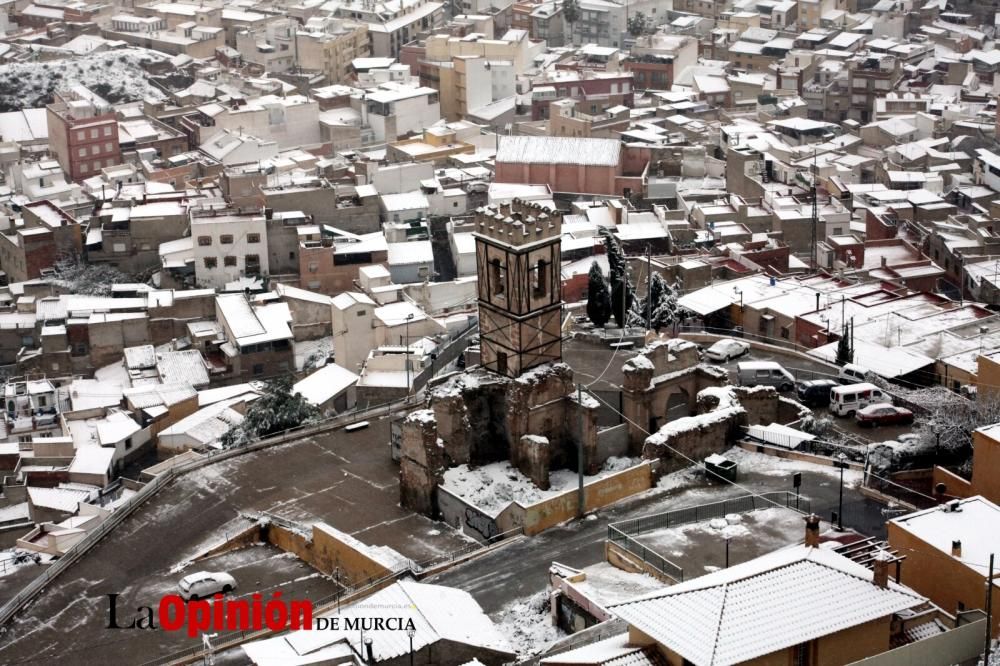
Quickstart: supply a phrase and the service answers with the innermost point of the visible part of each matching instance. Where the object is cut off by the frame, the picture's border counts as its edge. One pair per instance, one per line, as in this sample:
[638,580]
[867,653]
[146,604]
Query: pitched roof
[768,604]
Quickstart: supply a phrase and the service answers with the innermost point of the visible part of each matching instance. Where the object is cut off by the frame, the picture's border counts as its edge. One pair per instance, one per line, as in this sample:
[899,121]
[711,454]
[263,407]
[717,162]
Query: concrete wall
[331,552]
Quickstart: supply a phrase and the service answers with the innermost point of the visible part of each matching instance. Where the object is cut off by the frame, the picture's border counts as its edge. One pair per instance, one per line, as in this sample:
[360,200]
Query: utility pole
[580,503]
[815,213]
[649,289]
[989,614]
[406,351]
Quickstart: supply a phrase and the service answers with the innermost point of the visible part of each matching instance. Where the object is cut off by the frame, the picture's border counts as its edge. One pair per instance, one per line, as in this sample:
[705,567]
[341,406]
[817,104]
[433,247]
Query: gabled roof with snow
[325,383]
[437,612]
[768,604]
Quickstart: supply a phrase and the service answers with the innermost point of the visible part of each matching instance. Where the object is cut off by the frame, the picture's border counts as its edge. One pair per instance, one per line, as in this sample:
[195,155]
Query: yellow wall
[938,576]
[328,552]
[600,493]
[985,463]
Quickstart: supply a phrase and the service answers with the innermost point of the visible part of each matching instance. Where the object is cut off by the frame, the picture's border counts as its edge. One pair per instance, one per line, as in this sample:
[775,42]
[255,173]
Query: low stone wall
[954,485]
[597,494]
[534,518]
[331,552]
[796,455]
[248,537]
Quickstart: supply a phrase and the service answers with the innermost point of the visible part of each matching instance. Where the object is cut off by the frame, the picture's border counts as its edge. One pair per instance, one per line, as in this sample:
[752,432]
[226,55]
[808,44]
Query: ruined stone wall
[422,463]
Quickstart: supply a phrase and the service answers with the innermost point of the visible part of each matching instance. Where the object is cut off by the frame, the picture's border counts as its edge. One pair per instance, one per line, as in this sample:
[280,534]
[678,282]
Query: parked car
[852,374]
[847,400]
[815,392]
[764,373]
[883,413]
[726,349]
[204,584]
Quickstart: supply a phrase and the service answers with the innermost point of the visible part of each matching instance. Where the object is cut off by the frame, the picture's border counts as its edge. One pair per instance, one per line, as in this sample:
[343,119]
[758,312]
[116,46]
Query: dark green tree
[571,11]
[276,410]
[845,353]
[598,298]
[637,24]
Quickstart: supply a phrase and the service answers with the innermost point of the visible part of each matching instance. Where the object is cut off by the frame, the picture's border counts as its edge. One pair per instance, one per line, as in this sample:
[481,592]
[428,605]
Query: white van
[764,373]
[852,374]
[846,400]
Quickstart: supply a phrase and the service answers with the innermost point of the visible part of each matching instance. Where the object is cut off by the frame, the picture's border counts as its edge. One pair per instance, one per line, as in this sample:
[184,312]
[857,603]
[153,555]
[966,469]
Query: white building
[412,261]
[291,121]
[235,147]
[393,110]
[228,247]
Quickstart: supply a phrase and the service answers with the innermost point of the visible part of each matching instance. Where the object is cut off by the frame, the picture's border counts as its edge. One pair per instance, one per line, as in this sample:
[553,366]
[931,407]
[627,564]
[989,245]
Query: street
[521,569]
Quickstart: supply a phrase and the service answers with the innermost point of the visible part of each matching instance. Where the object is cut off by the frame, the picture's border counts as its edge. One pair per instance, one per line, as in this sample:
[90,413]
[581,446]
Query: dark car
[815,392]
[883,413]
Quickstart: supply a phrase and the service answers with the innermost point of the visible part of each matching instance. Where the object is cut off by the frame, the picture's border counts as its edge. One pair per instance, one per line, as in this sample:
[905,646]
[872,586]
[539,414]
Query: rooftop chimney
[369,653]
[956,548]
[812,531]
[880,567]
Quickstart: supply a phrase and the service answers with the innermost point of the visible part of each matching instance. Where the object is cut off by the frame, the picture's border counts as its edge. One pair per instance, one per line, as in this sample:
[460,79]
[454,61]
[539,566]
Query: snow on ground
[527,624]
[609,585]
[9,565]
[760,463]
[115,75]
[492,487]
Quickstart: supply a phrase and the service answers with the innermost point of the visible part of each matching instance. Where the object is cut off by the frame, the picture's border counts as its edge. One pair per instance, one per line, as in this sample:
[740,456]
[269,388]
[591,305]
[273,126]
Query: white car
[205,584]
[726,349]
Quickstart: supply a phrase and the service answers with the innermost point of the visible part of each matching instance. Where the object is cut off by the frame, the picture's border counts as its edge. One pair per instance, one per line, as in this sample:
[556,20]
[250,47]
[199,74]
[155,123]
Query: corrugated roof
[559,150]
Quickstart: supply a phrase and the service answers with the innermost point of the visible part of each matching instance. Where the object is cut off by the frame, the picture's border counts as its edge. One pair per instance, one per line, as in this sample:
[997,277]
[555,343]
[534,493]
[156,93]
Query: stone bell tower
[520,290]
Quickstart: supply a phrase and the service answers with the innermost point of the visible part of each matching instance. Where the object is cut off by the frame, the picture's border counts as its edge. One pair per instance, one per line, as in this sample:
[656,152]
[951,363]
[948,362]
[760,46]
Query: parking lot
[347,480]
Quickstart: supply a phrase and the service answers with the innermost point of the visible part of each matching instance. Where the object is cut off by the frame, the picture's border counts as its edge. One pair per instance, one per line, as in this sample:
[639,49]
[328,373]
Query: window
[801,655]
[258,369]
[107,130]
[82,152]
[226,239]
[81,136]
[498,280]
[93,133]
[541,277]
[502,362]
[211,262]
[83,167]
[128,443]
[229,261]
[252,263]
[253,238]
[95,150]
[204,241]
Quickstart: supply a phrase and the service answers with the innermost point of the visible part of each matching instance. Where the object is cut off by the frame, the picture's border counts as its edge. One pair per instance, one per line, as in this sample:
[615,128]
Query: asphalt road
[344,479]
[521,569]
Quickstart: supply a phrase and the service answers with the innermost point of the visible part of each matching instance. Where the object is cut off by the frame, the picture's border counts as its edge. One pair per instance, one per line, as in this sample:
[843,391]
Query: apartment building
[228,247]
[394,110]
[83,133]
[330,45]
[391,25]
[291,121]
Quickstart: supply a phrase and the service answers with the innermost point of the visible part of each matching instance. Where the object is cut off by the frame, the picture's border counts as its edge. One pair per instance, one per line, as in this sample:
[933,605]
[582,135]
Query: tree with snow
[637,24]
[662,307]
[623,301]
[276,410]
[571,11]
[598,298]
[77,277]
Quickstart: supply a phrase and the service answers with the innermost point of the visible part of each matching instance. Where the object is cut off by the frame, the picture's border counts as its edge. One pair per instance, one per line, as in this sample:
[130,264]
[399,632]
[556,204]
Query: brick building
[83,133]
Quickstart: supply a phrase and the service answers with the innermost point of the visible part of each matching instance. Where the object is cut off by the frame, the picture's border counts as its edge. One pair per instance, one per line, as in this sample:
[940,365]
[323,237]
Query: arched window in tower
[498,280]
[541,278]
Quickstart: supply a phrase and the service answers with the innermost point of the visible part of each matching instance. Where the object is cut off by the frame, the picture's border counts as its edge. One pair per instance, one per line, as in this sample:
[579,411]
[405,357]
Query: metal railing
[9,609]
[623,533]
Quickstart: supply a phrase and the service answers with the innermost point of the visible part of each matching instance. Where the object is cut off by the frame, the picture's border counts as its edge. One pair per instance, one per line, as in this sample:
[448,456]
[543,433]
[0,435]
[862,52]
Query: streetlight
[841,462]
[410,632]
